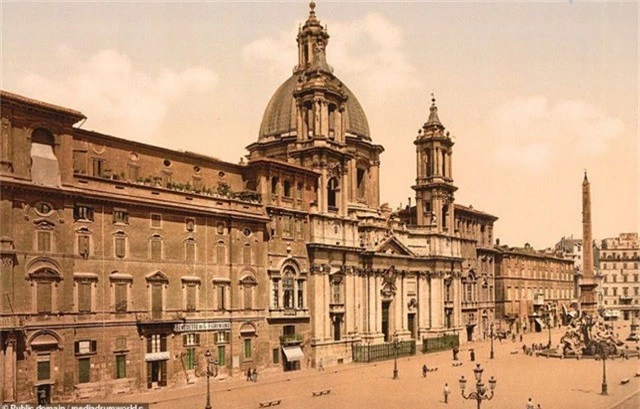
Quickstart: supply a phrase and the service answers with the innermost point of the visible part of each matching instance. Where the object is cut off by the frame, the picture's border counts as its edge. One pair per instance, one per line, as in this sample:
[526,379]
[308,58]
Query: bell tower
[434,181]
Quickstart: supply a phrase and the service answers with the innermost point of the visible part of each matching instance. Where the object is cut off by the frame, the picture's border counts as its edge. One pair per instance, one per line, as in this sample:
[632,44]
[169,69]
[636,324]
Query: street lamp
[549,322]
[602,346]
[491,354]
[481,393]
[210,373]
[395,358]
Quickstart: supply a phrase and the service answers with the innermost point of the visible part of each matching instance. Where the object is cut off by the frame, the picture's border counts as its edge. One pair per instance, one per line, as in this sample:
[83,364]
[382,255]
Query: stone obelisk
[588,284]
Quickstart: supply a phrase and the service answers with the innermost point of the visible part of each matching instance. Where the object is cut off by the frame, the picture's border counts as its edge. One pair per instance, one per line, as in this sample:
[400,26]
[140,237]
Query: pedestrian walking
[530,404]
[520,337]
[254,375]
[473,355]
[538,407]
[424,370]
[446,391]
[455,353]
[320,365]
[248,374]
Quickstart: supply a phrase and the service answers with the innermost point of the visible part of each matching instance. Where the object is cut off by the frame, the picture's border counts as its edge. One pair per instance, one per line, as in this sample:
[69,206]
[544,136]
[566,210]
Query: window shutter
[149,369]
[76,346]
[149,350]
[163,343]
[44,296]
[94,346]
[184,339]
[198,339]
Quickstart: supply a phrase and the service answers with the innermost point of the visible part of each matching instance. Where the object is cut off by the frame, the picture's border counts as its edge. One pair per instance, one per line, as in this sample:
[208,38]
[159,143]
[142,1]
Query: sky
[534,93]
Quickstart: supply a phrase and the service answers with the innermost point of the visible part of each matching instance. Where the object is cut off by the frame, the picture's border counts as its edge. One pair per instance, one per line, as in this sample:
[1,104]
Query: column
[318,306]
[325,316]
[423,302]
[322,191]
[371,313]
[374,189]
[344,193]
[397,307]
[350,304]
[438,304]
[9,371]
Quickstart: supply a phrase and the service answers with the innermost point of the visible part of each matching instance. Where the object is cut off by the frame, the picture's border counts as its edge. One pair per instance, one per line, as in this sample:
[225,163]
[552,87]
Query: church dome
[280,115]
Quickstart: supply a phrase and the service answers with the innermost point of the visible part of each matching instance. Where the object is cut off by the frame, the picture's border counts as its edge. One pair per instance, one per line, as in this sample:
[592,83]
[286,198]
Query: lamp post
[395,357]
[491,354]
[602,346]
[210,373]
[549,322]
[481,393]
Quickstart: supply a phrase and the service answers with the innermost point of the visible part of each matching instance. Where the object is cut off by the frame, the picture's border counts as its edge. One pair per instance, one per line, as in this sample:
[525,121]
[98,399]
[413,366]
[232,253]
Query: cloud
[368,50]
[531,134]
[117,98]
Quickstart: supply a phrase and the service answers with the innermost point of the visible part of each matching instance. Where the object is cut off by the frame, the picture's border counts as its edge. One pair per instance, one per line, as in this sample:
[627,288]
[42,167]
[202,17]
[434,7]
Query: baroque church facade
[122,262]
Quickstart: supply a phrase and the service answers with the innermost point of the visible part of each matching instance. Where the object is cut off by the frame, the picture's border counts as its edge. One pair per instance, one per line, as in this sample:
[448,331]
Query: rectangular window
[121,366]
[275,293]
[299,190]
[44,241]
[221,291]
[276,355]
[220,254]
[156,301]
[83,245]
[247,348]
[156,220]
[287,292]
[98,167]
[133,172]
[191,339]
[44,369]
[248,297]
[191,297]
[84,370]
[190,250]
[300,293]
[156,343]
[190,224]
[84,297]
[298,225]
[156,249]
[120,246]
[246,254]
[43,296]
[286,232]
[81,212]
[615,291]
[190,359]
[121,217]
[222,337]
[80,162]
[85,347]
[221,355]
[121,297]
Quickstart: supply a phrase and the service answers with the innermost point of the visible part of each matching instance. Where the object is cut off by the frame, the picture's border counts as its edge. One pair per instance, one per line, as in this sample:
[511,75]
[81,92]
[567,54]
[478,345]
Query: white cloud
[117,98]
[531,134]
[368,50]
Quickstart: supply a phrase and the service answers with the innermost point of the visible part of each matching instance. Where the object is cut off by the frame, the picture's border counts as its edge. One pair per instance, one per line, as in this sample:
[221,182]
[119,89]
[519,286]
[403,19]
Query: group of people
[252,375]
[534,347]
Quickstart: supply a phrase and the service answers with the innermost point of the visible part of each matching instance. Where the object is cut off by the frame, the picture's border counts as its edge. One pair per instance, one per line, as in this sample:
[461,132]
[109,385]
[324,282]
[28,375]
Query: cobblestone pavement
[553,383]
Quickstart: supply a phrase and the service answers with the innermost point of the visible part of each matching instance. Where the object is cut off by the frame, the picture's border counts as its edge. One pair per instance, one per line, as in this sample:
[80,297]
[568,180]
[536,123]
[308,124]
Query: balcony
[282,313]
[291,339]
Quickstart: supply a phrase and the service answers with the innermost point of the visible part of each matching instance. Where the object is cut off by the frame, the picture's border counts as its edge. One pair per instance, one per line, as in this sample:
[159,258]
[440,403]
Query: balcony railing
[291,339]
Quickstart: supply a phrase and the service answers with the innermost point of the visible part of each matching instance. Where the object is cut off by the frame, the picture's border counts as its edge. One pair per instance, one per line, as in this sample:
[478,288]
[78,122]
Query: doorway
[44,394]
[385,320]
[469,333]
[156,374]
[411,323]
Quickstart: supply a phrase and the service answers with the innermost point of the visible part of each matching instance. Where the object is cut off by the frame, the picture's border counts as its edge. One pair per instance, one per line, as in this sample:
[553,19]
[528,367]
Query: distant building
[571,248]
[619,268]
[527,281]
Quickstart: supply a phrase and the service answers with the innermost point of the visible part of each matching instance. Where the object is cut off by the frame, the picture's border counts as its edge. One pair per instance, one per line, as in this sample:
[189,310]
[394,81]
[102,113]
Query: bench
[268,403]
[321,393]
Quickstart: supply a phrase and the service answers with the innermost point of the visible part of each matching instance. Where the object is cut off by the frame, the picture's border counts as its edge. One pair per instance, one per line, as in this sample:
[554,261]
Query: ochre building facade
[122,262]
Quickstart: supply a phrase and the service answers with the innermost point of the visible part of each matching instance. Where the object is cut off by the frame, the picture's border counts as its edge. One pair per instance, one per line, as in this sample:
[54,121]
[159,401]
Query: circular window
[166,162]
[43,209]
[196,169]
[134,156]
[221,174]
[246,231]
[99,149]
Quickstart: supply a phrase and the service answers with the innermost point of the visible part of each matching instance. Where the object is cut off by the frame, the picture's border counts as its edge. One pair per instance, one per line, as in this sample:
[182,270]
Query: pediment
[158,276]
[393,246]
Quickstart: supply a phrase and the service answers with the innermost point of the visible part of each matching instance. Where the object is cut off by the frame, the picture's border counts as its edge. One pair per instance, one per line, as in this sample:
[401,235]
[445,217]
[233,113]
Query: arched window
[428,162]
[287,188]
[332,121]
[248,284]
[332,187]
[288,288]
[45,169]
[274,186]
[361,177]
